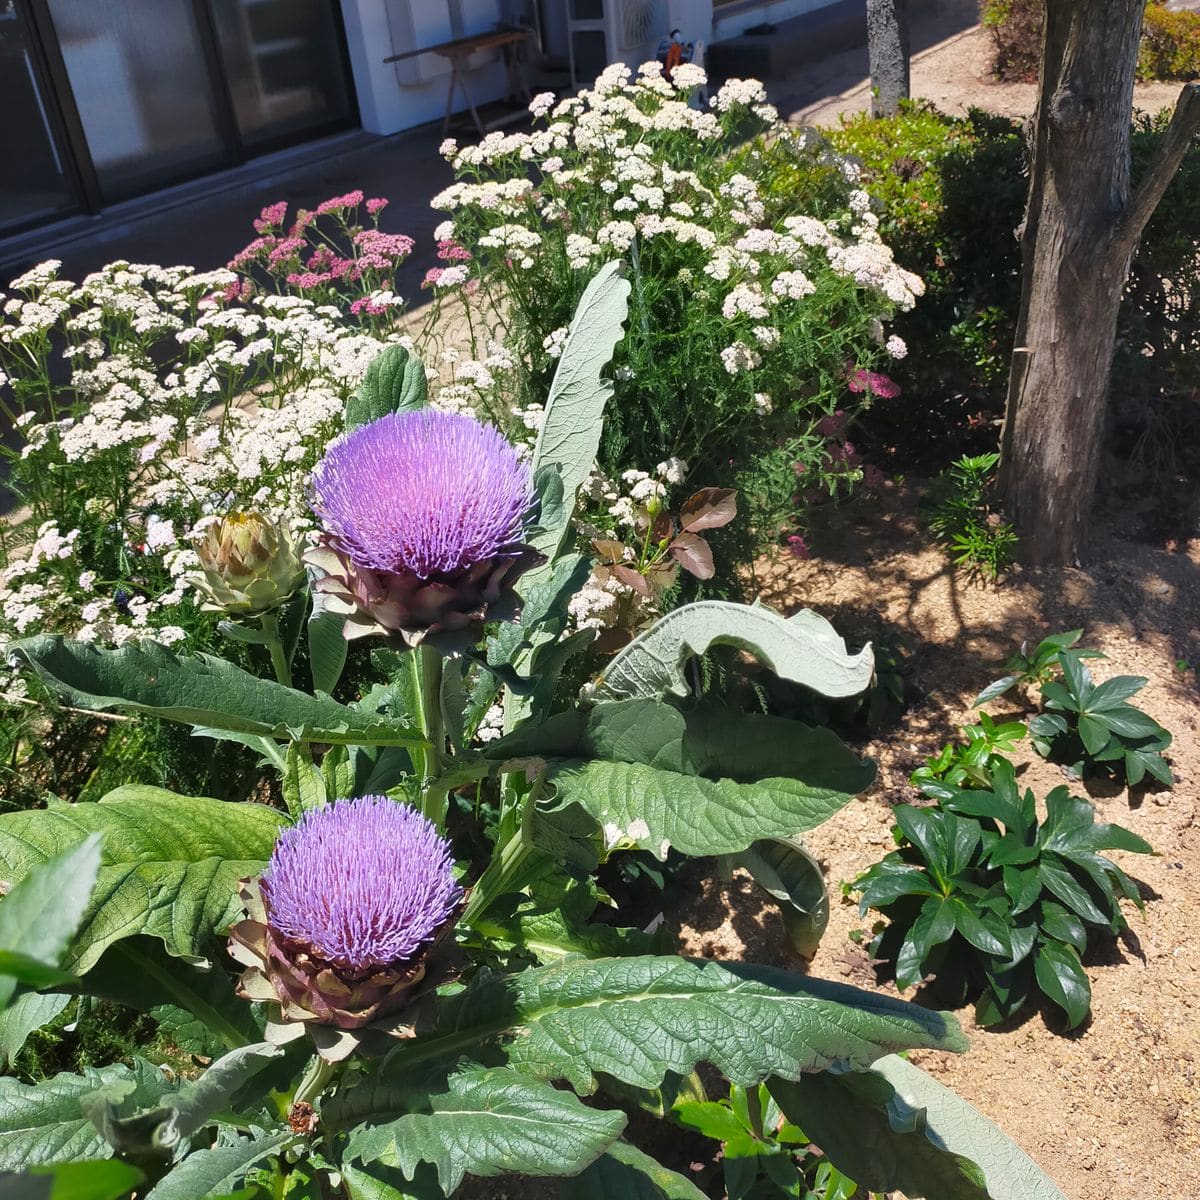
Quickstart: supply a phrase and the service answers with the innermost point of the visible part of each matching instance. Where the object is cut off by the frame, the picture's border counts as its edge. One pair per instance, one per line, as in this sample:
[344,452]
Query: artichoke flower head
[341,928]
[425,516]
[250,564]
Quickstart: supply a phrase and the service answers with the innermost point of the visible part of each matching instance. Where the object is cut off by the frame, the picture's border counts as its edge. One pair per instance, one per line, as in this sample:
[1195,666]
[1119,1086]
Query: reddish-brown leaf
[633,579]
[609,551]
[709,508]
[693,555]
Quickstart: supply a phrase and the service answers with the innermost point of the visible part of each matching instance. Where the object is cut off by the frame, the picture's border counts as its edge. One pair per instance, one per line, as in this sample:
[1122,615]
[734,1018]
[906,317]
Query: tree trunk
[1080,230]
[887,52]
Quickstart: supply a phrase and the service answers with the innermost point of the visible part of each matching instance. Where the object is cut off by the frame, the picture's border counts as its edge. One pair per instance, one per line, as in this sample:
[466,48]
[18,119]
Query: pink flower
[395,246]
[875,383]
[797,546]
[249,253]
[303,220]
[376,205]
[799,468]
[337,203]
[431,277]
[844,455]
[308,279]
[367,305]
[240,289]
[271,217]
[285,251]
[449,250]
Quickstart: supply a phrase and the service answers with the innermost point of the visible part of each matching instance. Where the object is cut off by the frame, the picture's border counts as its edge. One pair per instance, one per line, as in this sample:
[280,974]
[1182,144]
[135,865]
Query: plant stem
[504,873]
[429,685]
[274,643]
[319,1073]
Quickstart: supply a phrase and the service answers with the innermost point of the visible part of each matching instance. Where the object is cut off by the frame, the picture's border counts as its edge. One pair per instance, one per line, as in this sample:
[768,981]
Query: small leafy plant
[1084,724]
[994,903]
[1088,724]
[762,1153]
[964,521]
[1027,669]
[957,766]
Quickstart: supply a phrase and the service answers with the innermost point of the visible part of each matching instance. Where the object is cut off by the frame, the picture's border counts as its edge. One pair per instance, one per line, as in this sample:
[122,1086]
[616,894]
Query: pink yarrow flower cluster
[874,383]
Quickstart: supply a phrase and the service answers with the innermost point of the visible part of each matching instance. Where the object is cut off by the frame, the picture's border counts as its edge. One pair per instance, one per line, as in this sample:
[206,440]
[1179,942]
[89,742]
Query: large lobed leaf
[488,1122]
[200,690]
[705,782]
[637,1019]
[803,648]
[169,867]
[45,1123]
[217,1171]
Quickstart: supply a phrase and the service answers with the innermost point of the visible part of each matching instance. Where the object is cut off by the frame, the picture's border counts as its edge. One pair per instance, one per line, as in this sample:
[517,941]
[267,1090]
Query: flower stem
[429,683]
[506,870]
[319,1073]
[274,643]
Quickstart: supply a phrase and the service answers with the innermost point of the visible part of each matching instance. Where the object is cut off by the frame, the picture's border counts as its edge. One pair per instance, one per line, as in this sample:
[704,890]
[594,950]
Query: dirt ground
[954,72]
[1111,1111]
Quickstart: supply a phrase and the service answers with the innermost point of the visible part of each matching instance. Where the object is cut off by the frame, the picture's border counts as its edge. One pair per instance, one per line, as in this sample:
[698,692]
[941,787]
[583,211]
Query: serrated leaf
[327,646]
[625,1172]
[394,382]
[44,1123]
[804,649]
[489,1122]
[703,781]
[169,867]
[200,690]
[1061,976]
[41,914]
[638,1018]
[221,1169]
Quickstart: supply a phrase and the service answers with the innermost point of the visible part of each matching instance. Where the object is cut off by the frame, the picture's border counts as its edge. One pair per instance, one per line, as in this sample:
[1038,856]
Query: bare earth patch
[1112,1111]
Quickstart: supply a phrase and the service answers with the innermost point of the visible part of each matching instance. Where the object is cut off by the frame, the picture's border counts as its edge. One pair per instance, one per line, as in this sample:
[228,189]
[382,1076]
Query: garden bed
[1110,1110]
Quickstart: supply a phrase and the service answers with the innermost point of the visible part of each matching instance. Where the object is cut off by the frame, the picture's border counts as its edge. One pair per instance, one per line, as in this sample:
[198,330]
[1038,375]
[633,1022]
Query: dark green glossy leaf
[994,689]
[623,1172]
[933,926]
[1061,976]
[1113,691]
[793,878]
[888,880]
[1063,925]
[220,1169]
[1023,885]
[1059,880]
[973,927]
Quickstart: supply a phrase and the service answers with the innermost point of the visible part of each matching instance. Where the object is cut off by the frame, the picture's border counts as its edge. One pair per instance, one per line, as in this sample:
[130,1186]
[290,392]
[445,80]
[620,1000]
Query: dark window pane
[33,183]
[283,60]
[141,85]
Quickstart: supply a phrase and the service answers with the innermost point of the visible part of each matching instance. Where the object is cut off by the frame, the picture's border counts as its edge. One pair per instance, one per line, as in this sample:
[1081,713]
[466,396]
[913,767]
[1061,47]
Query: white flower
[740,357]
[554,342]
[674,470]
[762,403]
[896,347]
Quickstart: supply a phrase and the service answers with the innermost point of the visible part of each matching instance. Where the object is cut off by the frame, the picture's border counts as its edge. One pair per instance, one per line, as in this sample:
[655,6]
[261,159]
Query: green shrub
[1170,46]
[974,535]
[1016,29]
[996,904]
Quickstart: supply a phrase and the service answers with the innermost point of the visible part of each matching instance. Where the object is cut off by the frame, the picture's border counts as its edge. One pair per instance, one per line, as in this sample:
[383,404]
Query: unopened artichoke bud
[425,515]
[341,929]
[250,564]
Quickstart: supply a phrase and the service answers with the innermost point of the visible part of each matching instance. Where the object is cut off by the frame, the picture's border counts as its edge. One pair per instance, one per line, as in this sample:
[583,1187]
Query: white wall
[732,23]
[398,96]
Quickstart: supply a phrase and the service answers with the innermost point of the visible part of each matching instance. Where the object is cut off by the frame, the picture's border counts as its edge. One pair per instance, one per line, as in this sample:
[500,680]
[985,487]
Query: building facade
[107,100]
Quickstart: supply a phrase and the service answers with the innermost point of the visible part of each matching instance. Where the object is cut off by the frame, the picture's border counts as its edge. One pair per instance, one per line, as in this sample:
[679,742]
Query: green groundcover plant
[994,902]
[416,1001]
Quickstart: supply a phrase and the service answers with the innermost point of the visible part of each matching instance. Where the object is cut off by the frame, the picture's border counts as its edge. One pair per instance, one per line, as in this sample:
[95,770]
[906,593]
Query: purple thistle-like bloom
[428,492]
[362,884]
[425,514]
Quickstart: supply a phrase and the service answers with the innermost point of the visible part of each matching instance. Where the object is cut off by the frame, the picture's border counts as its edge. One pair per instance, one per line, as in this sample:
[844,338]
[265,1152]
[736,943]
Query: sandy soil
[953,71]
[1111,1111]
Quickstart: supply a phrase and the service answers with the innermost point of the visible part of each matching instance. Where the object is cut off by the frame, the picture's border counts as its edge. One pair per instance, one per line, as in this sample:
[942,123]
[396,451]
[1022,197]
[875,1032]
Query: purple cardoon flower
[340,928]
[363,883]
[424,515]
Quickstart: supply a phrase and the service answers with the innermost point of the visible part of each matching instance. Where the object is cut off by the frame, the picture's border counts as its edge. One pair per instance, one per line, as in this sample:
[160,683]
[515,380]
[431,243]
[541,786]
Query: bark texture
[1080,230]
[887,51]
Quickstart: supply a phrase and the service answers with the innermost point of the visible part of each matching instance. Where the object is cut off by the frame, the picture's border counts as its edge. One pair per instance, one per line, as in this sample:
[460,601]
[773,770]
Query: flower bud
[250,564]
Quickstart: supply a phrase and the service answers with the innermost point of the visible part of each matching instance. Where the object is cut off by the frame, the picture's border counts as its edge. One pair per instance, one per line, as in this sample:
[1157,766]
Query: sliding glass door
[105,99]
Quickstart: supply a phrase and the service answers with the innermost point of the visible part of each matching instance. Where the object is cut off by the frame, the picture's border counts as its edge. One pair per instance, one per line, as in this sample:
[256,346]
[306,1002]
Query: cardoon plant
[425,515]
[342,922]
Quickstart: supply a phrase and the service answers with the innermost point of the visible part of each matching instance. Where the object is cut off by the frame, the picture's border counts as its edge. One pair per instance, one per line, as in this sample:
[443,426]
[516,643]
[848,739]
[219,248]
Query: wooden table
[459,50]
